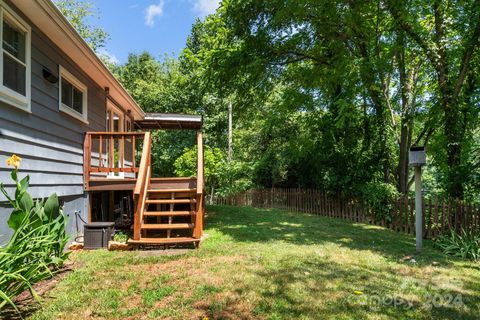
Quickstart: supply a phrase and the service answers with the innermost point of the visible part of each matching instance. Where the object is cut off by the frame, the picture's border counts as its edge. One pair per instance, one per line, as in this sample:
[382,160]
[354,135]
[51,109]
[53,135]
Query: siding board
[44,191]
[45,165]
[38,122]
[42,138]
[28,149]
[46,178]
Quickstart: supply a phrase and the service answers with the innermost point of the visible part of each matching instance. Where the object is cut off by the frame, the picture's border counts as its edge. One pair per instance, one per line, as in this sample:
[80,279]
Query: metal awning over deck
[169,121]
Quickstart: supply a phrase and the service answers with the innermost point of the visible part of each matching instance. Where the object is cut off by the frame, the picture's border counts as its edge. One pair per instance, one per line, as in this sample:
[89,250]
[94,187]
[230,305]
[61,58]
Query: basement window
[73,96]
[15,62]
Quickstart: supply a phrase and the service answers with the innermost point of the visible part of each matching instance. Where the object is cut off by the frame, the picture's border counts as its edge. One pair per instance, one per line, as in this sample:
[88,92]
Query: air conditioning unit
[98,234]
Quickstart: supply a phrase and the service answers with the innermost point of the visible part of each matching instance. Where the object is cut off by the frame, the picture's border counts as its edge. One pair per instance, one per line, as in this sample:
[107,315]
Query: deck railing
[141,186]
[111,154]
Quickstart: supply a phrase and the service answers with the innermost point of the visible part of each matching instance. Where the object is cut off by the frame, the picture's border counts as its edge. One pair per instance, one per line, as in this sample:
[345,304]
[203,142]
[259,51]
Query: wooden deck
[167,210]
[118,184]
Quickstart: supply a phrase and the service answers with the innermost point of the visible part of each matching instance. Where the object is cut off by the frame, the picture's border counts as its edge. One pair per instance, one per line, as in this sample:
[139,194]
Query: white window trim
[8,95]
[64,74]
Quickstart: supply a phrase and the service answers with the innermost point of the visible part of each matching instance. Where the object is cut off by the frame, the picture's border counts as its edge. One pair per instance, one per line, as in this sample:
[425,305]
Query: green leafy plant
[120,237]
[380,197]
[463,244]
[36,249]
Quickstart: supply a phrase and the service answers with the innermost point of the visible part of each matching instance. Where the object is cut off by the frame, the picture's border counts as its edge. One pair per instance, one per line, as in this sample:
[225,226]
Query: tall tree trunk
[403,158]
[404,123]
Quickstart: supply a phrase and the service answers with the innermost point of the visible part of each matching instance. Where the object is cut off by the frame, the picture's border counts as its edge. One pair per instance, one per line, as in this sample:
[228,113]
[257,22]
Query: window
[15,59]
[73,96]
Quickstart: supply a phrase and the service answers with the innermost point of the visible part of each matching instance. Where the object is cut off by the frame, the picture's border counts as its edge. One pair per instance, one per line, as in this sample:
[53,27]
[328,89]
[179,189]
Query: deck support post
[87,151]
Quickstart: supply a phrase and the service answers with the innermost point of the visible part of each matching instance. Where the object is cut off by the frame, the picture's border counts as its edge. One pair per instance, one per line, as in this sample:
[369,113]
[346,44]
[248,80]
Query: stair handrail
[197,232]
[141,186]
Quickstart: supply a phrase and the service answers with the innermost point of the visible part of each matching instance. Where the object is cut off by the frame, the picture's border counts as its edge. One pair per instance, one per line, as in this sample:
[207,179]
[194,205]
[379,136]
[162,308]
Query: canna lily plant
[36,249]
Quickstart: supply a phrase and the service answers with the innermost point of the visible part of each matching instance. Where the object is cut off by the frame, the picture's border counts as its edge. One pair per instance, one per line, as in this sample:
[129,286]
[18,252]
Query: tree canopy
[325,94]
[77,12]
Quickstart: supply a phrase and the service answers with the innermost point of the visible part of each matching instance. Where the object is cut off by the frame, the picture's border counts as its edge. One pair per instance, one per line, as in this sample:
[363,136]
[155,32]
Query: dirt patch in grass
[193,287]
[163,252]
[199,288]
[226,305]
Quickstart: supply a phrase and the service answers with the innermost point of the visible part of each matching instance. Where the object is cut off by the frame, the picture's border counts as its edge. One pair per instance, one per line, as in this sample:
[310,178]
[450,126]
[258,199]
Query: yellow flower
[14,161]
[205,318]
[358,293]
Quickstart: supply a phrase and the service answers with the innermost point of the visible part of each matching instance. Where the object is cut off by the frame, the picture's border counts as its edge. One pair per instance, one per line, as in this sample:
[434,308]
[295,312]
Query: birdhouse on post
[418,158]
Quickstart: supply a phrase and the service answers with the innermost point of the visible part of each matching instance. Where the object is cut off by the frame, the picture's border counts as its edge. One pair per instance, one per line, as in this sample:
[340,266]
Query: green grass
[272,264]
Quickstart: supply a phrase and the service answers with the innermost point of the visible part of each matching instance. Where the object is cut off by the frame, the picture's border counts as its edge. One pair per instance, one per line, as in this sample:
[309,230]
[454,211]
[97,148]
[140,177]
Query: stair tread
[169,201]
[167,213]
[172,190]
[165,226]
[163,240]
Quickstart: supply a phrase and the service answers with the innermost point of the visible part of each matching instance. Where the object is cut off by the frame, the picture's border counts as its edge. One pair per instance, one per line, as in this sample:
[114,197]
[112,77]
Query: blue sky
[158,26]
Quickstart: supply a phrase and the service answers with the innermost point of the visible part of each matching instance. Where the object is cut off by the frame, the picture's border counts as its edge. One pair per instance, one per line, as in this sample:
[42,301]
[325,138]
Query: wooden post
[90,202]
[87,156]
[111,156]
[133,151]
[100,152]
[121,152]
[197,232]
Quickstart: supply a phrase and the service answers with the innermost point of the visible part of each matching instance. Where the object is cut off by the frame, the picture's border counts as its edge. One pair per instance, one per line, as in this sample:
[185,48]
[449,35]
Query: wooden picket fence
[439,216]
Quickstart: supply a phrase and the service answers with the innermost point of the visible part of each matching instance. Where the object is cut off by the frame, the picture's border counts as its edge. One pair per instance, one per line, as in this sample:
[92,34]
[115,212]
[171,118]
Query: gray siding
[49,142]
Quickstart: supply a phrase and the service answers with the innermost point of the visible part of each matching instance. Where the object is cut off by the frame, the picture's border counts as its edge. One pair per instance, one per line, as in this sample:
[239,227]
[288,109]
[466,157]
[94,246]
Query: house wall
[49,142]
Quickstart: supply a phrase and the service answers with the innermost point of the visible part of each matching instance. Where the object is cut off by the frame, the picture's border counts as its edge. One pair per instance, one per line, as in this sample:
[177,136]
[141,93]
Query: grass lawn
[271,264]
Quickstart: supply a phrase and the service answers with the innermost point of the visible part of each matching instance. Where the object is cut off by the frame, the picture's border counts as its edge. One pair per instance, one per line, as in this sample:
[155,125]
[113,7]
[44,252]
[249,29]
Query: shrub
[120,237]
[380,198]
[465,245]
[36,249]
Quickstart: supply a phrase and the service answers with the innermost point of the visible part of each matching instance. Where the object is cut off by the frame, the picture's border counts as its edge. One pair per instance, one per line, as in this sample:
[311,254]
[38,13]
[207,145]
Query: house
[81,135]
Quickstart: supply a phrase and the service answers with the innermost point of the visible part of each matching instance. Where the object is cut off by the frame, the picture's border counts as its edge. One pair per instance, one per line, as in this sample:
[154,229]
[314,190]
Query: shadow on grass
[246,224]
[330,280]
[317,287]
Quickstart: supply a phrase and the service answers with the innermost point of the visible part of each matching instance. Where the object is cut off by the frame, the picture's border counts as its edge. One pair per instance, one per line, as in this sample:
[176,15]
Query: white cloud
[107,56]
[154,10]
[206,7]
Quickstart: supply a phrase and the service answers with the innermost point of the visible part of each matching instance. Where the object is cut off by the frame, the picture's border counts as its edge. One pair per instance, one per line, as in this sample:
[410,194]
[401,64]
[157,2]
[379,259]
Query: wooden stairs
[169,216]
[168,210]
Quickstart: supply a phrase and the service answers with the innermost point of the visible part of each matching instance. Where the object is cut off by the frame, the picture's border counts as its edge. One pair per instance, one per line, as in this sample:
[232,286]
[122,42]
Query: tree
[77,13]
[448,34]
[358,62]
[327,94]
